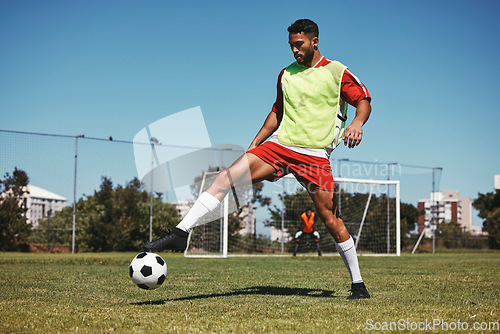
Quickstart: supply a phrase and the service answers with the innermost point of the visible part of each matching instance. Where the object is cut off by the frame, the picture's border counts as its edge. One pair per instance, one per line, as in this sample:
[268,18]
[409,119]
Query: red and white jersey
[352,91]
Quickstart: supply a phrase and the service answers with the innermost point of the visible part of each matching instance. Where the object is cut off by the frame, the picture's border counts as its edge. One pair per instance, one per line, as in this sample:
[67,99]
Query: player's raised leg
[327,210]
[248,168]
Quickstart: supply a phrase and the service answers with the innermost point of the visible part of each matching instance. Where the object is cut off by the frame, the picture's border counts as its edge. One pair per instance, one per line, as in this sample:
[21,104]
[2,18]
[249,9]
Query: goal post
[370,210]
[373,184]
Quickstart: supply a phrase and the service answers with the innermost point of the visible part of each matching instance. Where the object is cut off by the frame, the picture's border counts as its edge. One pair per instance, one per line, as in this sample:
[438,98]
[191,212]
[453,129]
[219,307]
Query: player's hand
[353,134]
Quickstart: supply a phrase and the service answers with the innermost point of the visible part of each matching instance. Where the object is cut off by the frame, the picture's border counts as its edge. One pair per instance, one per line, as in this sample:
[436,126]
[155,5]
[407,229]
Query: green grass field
[92,293]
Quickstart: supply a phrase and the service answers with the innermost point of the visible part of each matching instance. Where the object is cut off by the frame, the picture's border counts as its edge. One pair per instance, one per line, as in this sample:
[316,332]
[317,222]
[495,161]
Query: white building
[497,181]
[40,202]
[183,207]
[448,207]
[279,235]
[248,222]
[248,212]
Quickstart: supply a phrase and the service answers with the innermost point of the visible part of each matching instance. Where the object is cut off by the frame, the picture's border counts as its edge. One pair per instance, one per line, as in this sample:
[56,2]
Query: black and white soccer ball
[148,270]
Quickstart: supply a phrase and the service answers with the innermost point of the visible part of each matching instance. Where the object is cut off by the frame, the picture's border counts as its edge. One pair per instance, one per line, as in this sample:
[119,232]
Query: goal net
[370,210]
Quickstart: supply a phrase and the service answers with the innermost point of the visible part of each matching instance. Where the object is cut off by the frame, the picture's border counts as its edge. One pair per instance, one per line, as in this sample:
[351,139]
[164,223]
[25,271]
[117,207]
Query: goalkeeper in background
[307,227]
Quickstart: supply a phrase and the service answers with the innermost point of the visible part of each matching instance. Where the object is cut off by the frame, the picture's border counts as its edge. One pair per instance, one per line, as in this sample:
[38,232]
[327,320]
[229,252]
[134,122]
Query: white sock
[348,253]
[204,204]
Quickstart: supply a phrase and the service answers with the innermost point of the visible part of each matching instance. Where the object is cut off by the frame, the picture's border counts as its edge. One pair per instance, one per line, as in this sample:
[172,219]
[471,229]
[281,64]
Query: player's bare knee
[332,223]
[223,175]
[222,182]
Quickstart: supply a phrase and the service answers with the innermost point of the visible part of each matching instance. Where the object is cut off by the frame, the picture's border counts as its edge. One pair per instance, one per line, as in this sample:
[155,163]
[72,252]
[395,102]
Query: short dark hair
[304,25]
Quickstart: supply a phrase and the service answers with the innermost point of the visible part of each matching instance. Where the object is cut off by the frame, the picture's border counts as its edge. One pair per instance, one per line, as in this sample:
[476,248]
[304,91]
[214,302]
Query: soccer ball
[148,270]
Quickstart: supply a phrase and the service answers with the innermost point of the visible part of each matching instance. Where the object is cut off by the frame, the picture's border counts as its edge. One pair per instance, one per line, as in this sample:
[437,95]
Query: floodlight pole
[151,202]
[74,195]
[153,141]
[434,204]
[388,209]
[283,218]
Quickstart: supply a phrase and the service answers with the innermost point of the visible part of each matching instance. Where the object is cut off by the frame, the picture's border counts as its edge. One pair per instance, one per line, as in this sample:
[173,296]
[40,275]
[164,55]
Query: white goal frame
[398,208]
[372,183]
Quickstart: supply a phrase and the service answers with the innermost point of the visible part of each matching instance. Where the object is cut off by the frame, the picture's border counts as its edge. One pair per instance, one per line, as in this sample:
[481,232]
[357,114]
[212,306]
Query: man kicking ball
[304,126]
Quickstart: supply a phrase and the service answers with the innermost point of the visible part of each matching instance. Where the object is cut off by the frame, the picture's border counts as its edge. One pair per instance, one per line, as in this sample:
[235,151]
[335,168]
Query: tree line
[115,218]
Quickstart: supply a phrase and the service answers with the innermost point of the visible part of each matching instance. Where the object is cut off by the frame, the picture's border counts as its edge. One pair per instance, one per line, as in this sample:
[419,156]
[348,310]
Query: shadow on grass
[255,290]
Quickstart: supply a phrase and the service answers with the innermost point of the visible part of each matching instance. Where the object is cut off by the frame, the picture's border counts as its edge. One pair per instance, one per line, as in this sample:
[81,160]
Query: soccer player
[304,126]
[307,227]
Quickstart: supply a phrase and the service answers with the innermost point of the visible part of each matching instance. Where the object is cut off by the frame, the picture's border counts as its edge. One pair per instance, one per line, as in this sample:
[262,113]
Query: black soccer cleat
[175,240]
[358,291]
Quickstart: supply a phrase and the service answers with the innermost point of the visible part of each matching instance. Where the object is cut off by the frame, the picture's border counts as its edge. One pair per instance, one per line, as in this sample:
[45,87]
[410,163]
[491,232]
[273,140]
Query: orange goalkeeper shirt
[307,223]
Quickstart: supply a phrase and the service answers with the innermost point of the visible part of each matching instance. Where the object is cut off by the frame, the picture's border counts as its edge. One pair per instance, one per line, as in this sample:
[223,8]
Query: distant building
[248,212]
[448,207]
[279,235]
[248,222]
[477,230]
[183,207]
[497,182]
[40,202]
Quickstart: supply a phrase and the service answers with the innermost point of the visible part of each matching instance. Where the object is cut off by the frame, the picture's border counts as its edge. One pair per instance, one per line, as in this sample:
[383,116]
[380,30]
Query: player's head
[304,25]
[303,37]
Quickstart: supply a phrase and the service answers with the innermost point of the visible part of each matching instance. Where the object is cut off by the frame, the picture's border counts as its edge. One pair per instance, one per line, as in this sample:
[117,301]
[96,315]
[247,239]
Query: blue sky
[109,68]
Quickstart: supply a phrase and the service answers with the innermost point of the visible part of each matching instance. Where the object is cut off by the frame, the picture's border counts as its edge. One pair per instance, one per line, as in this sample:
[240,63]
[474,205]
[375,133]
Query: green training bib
[312,106]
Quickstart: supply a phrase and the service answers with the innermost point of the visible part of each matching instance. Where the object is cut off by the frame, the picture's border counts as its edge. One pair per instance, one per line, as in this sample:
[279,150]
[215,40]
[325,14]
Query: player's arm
[354,132]
[355,93]
[270,125]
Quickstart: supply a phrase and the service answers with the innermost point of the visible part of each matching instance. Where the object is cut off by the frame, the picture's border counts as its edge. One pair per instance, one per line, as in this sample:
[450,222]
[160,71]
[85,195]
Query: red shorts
[306,168]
